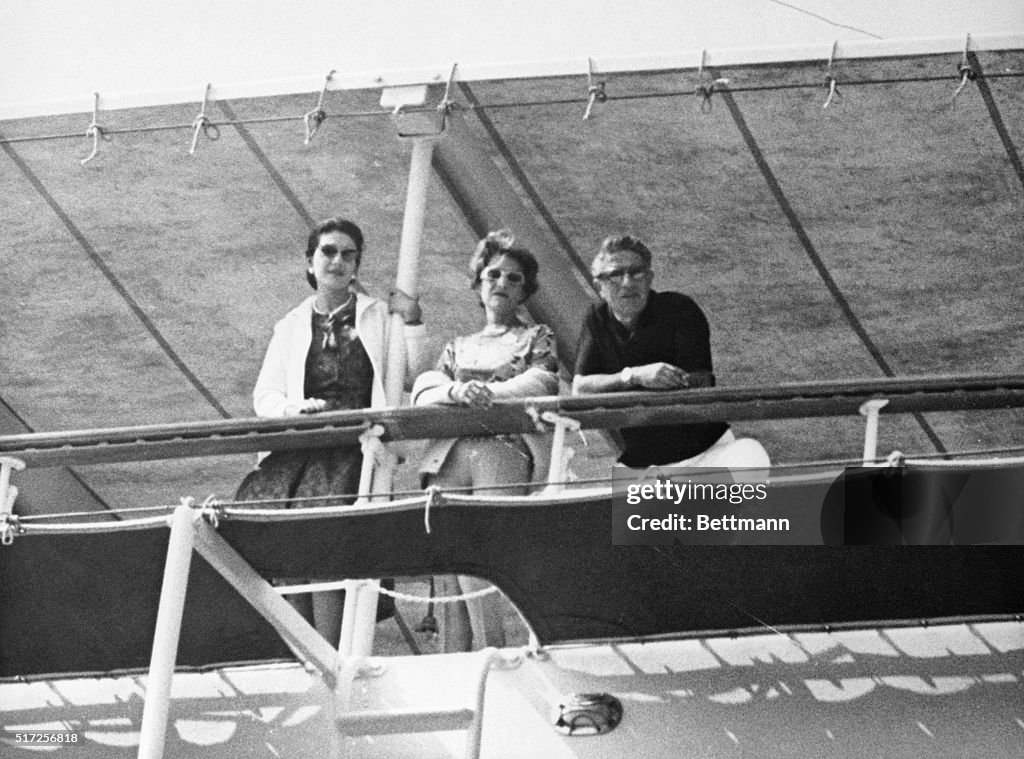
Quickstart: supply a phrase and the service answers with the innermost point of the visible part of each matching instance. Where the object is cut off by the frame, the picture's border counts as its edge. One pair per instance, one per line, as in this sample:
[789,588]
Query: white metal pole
[359,635]
[869,410]
[407,277]
[556,475]
[168,631]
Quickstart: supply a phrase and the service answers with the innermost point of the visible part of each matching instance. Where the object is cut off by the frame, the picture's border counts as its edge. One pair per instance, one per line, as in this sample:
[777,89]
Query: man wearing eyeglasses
[641,339]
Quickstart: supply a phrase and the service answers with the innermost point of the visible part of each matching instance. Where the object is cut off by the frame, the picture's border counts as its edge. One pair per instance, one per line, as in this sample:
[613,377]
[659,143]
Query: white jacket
[282,378]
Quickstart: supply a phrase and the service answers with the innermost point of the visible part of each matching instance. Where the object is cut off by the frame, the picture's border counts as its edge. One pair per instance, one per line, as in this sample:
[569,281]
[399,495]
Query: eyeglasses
[348,255]
[618,276]
[512,277]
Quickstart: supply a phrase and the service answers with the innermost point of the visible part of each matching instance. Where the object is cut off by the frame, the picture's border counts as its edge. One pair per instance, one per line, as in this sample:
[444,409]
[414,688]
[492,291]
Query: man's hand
[660,376]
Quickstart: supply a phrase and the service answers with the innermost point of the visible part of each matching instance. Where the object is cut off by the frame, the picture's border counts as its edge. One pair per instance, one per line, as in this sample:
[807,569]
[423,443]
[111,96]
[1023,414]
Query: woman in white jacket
[326,354]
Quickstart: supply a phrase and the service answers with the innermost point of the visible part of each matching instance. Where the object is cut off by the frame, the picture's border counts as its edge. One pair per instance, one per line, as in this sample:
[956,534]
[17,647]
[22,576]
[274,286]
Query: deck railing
[612,410]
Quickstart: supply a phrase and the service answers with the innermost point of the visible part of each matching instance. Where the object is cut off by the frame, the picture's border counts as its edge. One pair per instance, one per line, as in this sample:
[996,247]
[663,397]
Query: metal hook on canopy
[965,69]
[561,454]
[830,80]
[95,131]
[595,90]
[318,115]
[202,123]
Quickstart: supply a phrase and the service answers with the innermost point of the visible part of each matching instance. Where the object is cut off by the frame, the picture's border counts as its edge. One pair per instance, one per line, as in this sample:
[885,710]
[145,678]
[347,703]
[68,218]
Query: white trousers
[745,457]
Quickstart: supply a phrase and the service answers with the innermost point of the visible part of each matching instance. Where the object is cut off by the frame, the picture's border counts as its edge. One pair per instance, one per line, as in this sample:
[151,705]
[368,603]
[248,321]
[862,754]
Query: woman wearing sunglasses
[508,358]
[326,354]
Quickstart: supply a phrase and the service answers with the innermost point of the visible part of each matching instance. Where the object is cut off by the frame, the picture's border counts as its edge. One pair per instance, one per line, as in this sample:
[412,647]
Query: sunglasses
[348,255]
[618,276]
[512,277]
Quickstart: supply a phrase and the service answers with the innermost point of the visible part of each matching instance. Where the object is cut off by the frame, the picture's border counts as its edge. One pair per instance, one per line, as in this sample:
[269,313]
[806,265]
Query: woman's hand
[308,406]
[406,306]
[472,393]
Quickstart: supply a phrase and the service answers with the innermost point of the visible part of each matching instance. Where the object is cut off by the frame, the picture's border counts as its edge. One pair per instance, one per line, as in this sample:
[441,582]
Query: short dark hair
[617,243]
[334,224]
[502,243]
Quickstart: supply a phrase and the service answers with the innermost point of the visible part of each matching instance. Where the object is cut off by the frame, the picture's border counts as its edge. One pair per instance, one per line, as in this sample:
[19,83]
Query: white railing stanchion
[558,470]
[869,410]
[8,495]
[168,631]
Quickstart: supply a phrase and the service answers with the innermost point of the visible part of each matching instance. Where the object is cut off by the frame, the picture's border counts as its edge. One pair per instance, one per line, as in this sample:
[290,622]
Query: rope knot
[966,71]
[894,460]
[9,528]
[831,85]
[535,417]
[212,510]
[595,90]
[370,444]
[705,91]
[434,499]
[313,120]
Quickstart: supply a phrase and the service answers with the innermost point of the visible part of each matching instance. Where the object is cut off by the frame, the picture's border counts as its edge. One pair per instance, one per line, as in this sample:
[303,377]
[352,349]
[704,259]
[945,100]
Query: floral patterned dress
[505,356]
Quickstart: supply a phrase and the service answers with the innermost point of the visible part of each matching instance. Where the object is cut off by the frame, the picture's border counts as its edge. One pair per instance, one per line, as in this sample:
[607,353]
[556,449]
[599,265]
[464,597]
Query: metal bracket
[412,117]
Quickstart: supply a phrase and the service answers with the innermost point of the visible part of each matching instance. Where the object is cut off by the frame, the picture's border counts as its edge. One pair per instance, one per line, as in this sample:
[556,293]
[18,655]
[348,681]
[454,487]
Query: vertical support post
[556,474]
[168,631]
[869,410]
[360,609]
[358,628]
[407,276]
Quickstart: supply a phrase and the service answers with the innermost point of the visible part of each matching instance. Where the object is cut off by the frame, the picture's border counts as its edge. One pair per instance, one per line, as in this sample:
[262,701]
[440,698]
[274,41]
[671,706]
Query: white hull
[944,690]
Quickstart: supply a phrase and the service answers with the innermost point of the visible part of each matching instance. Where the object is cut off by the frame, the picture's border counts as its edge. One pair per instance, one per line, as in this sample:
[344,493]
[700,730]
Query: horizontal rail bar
[611,410]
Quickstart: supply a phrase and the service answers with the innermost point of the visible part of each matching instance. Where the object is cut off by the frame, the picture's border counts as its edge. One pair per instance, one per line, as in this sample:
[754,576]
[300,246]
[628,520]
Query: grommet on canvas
[318,115]
[202,123]
[595,90]
[95,131]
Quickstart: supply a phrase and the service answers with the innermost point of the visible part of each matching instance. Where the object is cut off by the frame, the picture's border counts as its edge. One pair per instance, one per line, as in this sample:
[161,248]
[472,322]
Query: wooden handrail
[611,410]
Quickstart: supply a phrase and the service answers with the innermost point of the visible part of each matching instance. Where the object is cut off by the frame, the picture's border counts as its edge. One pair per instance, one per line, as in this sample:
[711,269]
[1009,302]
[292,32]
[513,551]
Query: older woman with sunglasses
[508,358]
[327,353]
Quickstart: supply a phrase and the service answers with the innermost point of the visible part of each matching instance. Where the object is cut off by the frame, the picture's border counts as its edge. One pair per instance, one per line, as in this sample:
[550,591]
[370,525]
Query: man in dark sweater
[639,339]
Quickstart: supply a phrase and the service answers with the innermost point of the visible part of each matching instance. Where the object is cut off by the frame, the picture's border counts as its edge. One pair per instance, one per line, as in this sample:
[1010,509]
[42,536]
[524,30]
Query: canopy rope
[599,94]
